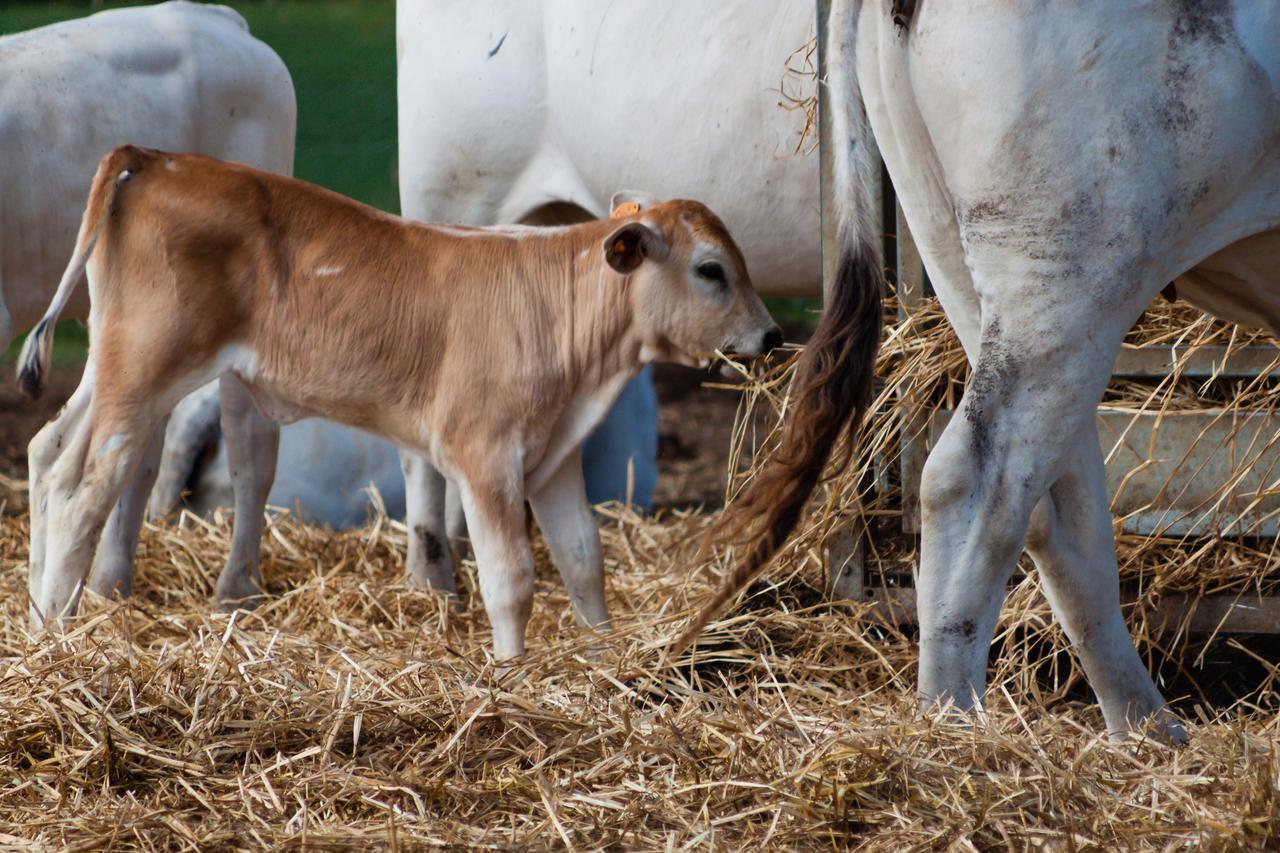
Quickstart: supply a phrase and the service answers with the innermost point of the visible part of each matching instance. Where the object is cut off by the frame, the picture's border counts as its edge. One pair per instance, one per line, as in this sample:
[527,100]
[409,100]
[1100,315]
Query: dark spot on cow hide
[1197,24]
[990,390]
[966,628]
[497,47]
[1203,19]
[986,210]
[431,547]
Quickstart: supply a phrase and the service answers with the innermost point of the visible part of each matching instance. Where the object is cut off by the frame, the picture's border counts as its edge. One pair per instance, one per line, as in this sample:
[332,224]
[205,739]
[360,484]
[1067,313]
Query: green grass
[794,312]
[70,343]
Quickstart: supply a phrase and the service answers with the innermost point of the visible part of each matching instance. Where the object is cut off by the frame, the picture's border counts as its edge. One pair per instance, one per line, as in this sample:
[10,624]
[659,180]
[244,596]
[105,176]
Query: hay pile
[353,709]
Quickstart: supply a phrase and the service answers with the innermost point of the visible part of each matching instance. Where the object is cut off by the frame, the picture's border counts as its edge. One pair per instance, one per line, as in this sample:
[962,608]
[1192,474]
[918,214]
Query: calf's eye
[711,271]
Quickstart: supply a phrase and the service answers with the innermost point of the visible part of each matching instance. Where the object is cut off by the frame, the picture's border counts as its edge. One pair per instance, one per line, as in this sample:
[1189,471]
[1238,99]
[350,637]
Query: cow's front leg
[563,513]
[253,444]
[429,558]
[113,564]
[504,561]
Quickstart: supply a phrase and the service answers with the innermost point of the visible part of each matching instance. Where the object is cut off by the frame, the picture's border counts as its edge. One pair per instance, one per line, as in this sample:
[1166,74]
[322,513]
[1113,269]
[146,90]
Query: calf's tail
[114,169]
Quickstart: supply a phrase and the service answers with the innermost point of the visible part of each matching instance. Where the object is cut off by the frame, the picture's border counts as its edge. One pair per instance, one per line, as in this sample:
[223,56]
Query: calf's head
[690,290]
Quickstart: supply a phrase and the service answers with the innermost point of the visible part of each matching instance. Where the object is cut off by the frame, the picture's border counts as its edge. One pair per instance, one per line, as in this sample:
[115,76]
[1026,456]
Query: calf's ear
[629,203]
[629,246]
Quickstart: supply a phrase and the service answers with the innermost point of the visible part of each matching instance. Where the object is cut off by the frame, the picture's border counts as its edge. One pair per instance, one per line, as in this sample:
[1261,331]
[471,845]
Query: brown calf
[491,351]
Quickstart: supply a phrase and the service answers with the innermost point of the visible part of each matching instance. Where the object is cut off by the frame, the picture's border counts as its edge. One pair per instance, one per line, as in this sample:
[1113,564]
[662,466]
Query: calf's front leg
[564,514]
[504,561]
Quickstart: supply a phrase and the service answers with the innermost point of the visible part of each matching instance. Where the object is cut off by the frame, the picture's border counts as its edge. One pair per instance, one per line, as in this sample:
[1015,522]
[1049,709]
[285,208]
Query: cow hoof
[1161,727]
[242,595]
[109,585]
[247,603]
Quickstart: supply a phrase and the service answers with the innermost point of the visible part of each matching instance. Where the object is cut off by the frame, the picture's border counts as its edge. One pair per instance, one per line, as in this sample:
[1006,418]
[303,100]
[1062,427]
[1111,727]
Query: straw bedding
[354,710]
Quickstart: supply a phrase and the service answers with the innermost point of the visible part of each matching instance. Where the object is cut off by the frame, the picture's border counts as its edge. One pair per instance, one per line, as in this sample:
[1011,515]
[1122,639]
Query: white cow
[1059,164]
[181,76]
[535,112]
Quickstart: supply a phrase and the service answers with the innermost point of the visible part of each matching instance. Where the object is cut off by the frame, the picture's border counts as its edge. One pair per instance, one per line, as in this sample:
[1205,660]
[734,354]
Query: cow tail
[834,376]
[114,169]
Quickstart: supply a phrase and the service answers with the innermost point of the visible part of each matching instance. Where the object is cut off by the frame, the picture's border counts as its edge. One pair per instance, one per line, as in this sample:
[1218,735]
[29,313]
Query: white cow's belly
[324,473]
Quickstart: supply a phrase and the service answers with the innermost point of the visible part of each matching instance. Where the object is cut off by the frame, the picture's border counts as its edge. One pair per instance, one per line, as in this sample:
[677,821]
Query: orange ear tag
[625,209]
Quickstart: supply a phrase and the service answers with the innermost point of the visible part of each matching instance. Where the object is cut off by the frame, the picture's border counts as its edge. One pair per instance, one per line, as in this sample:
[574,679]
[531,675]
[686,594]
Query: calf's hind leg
[83,485]
[126,405]
[45,448]
[113,562]
[253,444]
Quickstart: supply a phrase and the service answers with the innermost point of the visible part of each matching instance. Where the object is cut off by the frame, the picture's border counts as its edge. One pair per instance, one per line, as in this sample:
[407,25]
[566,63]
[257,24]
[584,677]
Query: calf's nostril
[772,340]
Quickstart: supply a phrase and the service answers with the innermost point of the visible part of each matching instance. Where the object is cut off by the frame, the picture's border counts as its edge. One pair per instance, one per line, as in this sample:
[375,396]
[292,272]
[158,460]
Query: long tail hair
[834,377]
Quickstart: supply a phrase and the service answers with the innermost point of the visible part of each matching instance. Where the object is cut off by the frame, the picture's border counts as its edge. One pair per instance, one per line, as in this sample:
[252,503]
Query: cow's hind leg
[1072,543]
[563,513]
[1028,407]
[429,558]
[193,425]
[253,444]
[113,563]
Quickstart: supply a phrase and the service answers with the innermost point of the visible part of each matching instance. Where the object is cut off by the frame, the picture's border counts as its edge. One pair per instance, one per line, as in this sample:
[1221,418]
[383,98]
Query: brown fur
[416,332]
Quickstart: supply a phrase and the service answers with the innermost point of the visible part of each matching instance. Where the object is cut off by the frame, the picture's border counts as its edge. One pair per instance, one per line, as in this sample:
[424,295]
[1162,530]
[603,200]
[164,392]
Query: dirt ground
[694,427]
